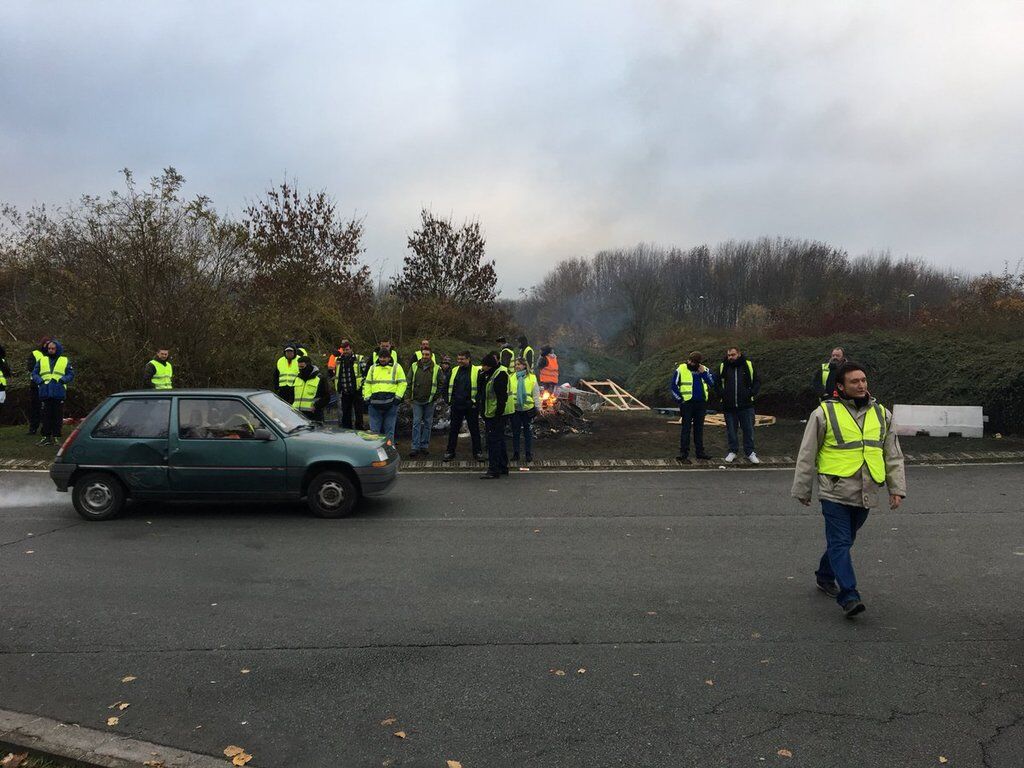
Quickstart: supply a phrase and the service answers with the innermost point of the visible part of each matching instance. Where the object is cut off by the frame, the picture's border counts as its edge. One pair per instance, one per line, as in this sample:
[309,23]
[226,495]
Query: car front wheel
[98,496]
[332,494]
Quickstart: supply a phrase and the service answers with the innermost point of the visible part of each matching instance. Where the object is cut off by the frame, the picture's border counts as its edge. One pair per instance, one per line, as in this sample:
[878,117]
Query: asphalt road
[679,606]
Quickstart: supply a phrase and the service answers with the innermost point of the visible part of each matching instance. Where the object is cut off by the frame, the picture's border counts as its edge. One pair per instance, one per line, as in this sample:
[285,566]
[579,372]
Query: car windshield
[279,412]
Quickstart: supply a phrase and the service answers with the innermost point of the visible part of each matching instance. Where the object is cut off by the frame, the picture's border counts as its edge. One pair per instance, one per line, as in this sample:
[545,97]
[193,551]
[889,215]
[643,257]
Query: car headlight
[382,454]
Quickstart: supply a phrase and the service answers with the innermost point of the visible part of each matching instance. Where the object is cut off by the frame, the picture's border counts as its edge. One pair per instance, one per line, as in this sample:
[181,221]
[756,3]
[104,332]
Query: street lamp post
[700,309]
[910,298]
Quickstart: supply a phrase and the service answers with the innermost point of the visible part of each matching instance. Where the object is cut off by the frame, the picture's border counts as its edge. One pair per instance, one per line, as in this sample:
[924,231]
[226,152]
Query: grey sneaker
[752,458]
[730,457]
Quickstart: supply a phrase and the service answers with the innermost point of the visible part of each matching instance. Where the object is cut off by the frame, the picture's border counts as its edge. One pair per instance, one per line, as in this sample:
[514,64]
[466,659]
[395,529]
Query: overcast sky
[565,127]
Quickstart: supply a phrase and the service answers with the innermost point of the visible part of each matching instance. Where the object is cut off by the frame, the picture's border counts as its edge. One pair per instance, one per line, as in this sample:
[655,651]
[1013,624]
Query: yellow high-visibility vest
[287,370]
[847,447]
[164,374]
[491,402]
[686,383]
[305,393]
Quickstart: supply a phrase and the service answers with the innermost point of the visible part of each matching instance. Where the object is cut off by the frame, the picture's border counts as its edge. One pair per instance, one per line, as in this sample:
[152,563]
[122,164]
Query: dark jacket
[421,381]
[462,388]
[345,366]
[828,389]
[54,390]
[736,386]
[500,388]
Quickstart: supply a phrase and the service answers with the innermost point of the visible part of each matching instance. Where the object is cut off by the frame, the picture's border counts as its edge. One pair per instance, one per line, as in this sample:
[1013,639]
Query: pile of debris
[561,412]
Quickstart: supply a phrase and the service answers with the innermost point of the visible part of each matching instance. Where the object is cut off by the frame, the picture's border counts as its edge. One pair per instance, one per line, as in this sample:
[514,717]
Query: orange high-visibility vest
[549,373]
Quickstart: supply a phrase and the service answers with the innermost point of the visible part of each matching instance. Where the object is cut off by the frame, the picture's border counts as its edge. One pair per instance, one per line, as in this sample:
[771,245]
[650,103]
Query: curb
[959,457]
[925,459]
[90,748]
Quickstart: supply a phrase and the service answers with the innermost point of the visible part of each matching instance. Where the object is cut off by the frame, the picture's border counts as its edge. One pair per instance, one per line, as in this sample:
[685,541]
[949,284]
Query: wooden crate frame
[614,396]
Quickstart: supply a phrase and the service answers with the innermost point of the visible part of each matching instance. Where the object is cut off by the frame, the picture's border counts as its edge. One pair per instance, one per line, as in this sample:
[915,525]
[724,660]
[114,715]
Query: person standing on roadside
[547,369]
[691,385]
[423,377]
[526,352]
[348,381]
[5,373]
[525,395]
[463,398]
[52,374]
[498,404]
[383,389]
[851,446]
[35,405]
[285,371]
[825,379]
[312,393]
[159,372]
[506,355]
[738,385]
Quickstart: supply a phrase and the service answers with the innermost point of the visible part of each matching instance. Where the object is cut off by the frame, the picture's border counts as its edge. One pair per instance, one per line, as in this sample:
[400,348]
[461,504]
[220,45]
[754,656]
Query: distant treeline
[641,299]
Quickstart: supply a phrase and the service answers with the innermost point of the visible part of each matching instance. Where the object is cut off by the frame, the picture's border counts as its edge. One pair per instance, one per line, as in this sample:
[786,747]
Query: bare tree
[447,263]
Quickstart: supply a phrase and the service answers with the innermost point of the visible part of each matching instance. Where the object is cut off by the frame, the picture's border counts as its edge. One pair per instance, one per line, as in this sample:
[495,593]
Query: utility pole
[910,298]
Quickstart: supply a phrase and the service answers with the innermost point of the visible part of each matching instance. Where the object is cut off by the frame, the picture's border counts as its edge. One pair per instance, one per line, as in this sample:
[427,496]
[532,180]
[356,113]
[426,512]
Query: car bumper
[375,481]
[61,474]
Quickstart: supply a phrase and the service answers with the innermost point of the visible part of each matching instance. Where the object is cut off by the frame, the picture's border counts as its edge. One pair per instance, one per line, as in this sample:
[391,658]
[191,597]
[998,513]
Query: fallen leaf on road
[400,734]
[241,758]
[755,635]
[389,721]
[558,672]
[581,671]
[30,551]
[784,753]
[123,706]
[14,760]
[453,764]
[232,750]
[154,764]
[246,671]
[943,759]
[113,720]
[129,679]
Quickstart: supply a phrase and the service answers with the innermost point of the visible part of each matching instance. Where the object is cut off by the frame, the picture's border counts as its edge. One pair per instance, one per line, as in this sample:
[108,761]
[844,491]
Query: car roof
[209,392]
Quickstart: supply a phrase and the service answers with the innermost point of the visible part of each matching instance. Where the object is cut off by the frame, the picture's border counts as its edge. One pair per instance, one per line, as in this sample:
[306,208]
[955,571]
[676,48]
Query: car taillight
[68,442]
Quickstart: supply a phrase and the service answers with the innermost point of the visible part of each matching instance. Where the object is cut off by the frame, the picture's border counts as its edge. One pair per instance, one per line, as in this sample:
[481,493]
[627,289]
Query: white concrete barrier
[939,420]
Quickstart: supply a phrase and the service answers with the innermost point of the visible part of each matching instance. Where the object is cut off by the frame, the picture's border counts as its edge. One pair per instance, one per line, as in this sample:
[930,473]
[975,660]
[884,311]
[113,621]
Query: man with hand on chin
[851,446]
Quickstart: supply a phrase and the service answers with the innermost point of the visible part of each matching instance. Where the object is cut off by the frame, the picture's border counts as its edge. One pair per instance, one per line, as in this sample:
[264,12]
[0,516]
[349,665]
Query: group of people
[50,373]
[737,384]
[503,389]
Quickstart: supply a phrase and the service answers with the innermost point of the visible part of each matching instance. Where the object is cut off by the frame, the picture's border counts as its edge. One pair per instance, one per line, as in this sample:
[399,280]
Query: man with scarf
[850,445]
[311,394]
[348,373]
[52,374]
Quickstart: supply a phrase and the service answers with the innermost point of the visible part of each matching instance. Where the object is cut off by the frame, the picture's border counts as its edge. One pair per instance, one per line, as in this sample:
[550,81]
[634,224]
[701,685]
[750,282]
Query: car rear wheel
[98,496]
[332,494]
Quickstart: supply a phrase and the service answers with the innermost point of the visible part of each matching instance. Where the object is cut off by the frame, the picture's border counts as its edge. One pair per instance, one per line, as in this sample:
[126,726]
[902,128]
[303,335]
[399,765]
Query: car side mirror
[262,434]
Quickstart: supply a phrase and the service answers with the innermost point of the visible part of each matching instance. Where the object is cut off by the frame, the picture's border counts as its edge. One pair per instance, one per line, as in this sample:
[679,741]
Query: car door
[132,439]
[215,449]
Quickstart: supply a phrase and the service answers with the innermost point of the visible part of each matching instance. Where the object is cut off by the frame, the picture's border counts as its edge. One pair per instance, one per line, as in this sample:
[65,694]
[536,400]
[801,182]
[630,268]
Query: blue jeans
[383,421]
[841,525]
[422,422]
[743,418]
[521,423]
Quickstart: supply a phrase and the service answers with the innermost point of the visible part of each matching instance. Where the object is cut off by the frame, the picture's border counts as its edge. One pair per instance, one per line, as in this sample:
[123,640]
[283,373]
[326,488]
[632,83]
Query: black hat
[490,360]
[305,359]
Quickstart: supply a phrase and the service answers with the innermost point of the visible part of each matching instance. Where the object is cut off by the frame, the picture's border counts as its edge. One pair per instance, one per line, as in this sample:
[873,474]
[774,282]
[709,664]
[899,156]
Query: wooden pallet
[718,420]
[614,396]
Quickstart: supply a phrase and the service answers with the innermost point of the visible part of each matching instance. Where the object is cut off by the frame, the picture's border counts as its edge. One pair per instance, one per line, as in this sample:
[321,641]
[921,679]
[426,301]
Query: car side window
[141,418]
[211,419]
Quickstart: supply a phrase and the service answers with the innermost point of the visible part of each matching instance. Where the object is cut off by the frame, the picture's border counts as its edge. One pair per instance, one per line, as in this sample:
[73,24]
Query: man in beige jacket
[851,446]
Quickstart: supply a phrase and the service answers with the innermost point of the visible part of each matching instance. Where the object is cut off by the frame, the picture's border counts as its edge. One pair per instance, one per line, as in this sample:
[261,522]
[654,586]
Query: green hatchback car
[227,444]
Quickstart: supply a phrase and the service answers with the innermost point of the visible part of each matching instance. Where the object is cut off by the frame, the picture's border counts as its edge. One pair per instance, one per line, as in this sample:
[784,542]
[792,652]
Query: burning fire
[547,400]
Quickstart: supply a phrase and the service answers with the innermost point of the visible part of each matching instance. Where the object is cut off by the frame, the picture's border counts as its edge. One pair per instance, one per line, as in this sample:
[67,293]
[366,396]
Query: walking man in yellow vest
[852,448]
[159,373]
[498,405]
